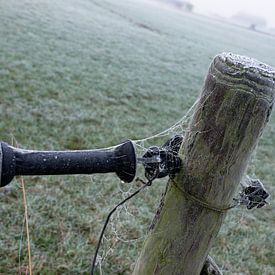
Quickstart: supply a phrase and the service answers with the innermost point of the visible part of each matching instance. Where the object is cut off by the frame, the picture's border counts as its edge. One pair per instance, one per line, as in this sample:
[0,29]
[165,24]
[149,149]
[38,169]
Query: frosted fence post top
[245,62]
[244,72]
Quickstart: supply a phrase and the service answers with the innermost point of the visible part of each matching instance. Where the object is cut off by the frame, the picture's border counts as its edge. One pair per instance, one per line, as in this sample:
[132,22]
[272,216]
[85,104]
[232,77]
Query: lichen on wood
[233,109]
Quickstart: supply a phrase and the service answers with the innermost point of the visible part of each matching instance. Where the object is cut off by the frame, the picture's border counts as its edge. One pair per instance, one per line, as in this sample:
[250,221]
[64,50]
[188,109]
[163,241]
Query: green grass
[86,74]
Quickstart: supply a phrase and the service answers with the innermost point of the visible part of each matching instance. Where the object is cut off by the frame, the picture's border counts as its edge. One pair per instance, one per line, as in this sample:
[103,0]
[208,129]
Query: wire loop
[201,202]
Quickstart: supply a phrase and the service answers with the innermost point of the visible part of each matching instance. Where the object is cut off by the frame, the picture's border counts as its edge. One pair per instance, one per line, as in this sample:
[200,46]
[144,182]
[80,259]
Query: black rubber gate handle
[15,162]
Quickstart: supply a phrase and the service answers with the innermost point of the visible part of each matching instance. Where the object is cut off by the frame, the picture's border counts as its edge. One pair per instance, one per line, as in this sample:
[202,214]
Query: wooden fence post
[234,107]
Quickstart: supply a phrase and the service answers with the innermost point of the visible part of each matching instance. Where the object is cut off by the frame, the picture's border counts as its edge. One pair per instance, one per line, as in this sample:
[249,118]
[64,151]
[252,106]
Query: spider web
[130,216]
[127,227]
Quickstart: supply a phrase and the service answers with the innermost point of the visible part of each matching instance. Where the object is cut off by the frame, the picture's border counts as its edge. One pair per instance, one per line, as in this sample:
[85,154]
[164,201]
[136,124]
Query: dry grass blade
[27,223]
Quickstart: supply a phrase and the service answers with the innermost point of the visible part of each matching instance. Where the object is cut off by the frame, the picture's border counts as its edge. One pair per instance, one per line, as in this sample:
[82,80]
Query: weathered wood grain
[234,108]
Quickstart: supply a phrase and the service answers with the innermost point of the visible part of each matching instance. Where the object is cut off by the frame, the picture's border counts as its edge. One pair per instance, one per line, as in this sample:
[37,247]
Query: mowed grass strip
[90,74]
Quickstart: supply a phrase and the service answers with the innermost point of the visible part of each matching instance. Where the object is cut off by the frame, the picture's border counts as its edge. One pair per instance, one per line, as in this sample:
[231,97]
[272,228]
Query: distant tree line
[181,4]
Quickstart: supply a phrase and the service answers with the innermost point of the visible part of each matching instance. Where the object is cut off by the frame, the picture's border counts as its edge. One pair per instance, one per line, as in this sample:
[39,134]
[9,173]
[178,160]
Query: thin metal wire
[201,202]
[108,218]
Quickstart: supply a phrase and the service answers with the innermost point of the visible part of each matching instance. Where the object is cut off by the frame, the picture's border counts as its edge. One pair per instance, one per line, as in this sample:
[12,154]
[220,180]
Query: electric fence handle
[19,162]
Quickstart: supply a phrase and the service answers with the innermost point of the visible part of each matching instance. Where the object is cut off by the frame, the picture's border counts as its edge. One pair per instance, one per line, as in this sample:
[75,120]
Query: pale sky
[227,8]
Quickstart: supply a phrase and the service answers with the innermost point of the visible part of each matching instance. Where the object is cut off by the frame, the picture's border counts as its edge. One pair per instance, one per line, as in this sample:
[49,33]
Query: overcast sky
[263,8]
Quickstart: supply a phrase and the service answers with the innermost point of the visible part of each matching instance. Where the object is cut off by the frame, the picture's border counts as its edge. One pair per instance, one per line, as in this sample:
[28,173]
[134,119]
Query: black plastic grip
[14,161]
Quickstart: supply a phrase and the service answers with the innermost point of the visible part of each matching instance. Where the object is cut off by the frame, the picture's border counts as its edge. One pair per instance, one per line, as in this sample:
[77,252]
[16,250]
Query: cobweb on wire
[180,127]
[128,225]
[129,217]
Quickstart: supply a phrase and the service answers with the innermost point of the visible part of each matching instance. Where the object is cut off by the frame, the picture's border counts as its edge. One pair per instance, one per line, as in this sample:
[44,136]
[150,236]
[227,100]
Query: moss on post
[234,107]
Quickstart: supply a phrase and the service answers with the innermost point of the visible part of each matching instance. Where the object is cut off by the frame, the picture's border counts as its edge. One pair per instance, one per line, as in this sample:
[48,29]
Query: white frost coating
[1,159]
[249,63]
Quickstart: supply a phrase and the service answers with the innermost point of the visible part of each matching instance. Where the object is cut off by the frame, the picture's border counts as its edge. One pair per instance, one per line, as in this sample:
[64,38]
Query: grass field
[89,74]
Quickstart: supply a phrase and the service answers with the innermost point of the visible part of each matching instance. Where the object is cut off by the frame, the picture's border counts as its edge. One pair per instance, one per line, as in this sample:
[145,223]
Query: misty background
[255,15]
[87,74]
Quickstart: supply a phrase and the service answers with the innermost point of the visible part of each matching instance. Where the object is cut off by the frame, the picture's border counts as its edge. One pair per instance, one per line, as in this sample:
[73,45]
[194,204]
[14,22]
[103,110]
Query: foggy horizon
[264,8]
